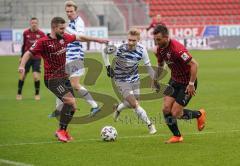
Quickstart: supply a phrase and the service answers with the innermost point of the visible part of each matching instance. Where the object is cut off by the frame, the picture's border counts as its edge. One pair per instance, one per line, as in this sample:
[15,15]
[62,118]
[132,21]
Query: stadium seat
[204,11]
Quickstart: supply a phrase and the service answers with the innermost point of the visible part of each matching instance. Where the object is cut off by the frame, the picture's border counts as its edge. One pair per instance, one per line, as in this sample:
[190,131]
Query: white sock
[83,92]
[59,104]
[142,115]
[123,105]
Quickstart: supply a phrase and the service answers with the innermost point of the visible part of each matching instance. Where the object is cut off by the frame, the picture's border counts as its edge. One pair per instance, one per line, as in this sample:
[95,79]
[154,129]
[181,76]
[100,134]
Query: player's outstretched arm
[105,57]
[84,38]
[25,58]
[157,74]
[159,71]
[193,71]
[154,83]
[147,64]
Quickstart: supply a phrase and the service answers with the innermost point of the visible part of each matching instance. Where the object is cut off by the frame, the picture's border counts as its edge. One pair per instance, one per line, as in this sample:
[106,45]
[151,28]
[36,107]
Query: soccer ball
[108,133]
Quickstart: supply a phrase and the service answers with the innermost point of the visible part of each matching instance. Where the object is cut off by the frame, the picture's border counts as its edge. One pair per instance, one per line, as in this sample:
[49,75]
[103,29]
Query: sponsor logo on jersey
[185,56]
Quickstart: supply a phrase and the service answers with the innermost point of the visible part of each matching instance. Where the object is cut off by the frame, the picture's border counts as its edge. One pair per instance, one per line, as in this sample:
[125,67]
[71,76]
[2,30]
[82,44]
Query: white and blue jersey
[75,49]
[127,61]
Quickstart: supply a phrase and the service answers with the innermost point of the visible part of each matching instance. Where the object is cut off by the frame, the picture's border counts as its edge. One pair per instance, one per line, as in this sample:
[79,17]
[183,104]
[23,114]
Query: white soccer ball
[108,133]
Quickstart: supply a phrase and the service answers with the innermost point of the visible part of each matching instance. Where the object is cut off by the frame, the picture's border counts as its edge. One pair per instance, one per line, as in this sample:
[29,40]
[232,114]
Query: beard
[34,29]
[59,36]
[164,45]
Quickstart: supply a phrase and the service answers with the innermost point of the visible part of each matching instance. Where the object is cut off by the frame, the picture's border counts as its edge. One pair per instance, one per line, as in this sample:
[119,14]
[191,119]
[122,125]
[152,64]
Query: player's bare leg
[177,110]
[83,92]
[141,113]
[36,78]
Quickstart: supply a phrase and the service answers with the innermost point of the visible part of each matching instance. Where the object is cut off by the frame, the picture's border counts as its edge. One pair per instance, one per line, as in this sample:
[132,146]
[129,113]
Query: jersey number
[60,89]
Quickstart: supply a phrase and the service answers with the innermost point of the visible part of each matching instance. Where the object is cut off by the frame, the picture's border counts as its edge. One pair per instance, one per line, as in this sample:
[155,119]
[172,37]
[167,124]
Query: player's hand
[110,72]
[21,69]
[190,90]
[156,85]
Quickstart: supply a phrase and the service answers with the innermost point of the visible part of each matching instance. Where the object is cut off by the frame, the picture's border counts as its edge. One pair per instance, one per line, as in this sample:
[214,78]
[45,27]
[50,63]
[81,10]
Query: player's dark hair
[161,29]
[34,18]
[57,20]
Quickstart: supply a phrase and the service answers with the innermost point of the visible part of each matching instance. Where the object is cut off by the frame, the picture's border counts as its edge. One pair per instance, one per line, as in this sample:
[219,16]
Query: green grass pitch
[26,133]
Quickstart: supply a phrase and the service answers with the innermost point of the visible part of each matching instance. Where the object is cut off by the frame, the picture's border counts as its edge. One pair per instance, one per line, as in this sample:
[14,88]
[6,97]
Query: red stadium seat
[197,12]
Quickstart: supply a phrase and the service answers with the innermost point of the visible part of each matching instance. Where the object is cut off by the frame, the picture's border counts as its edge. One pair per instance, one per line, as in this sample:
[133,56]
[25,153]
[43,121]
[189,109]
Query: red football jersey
[29,38]
[154,23]
[53,52]
[177,57]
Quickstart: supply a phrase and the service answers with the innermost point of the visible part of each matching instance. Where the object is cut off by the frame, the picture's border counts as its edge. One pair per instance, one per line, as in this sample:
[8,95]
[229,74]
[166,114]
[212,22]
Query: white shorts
[75,68]
[127,89]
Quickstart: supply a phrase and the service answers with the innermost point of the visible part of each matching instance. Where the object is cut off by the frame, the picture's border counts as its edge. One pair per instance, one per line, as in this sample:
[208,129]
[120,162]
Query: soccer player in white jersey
[126,77]
[75,59]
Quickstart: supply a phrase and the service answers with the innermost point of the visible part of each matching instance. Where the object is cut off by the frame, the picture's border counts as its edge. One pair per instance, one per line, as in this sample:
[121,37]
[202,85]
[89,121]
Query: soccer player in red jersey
[52,48]
[183,80]
[30,36]
[157,20]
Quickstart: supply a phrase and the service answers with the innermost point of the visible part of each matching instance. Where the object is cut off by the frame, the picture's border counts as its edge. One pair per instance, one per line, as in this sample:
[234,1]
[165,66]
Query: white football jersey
[75,49]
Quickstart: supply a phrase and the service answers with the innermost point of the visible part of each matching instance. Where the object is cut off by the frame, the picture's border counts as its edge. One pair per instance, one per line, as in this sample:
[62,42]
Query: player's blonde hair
[71,4]
[134,32]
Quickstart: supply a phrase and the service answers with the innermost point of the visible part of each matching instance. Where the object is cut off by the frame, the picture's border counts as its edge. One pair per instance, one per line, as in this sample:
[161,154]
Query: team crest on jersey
[185,56]
[28,36]
[34,45]
[61,41]
[37,36]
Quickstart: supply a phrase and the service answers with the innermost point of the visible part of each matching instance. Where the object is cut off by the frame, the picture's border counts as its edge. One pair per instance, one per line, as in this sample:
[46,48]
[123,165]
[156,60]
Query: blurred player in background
[126,77]
[30,36]
[75,59]
[183,79]
[157,20]
[52,48]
